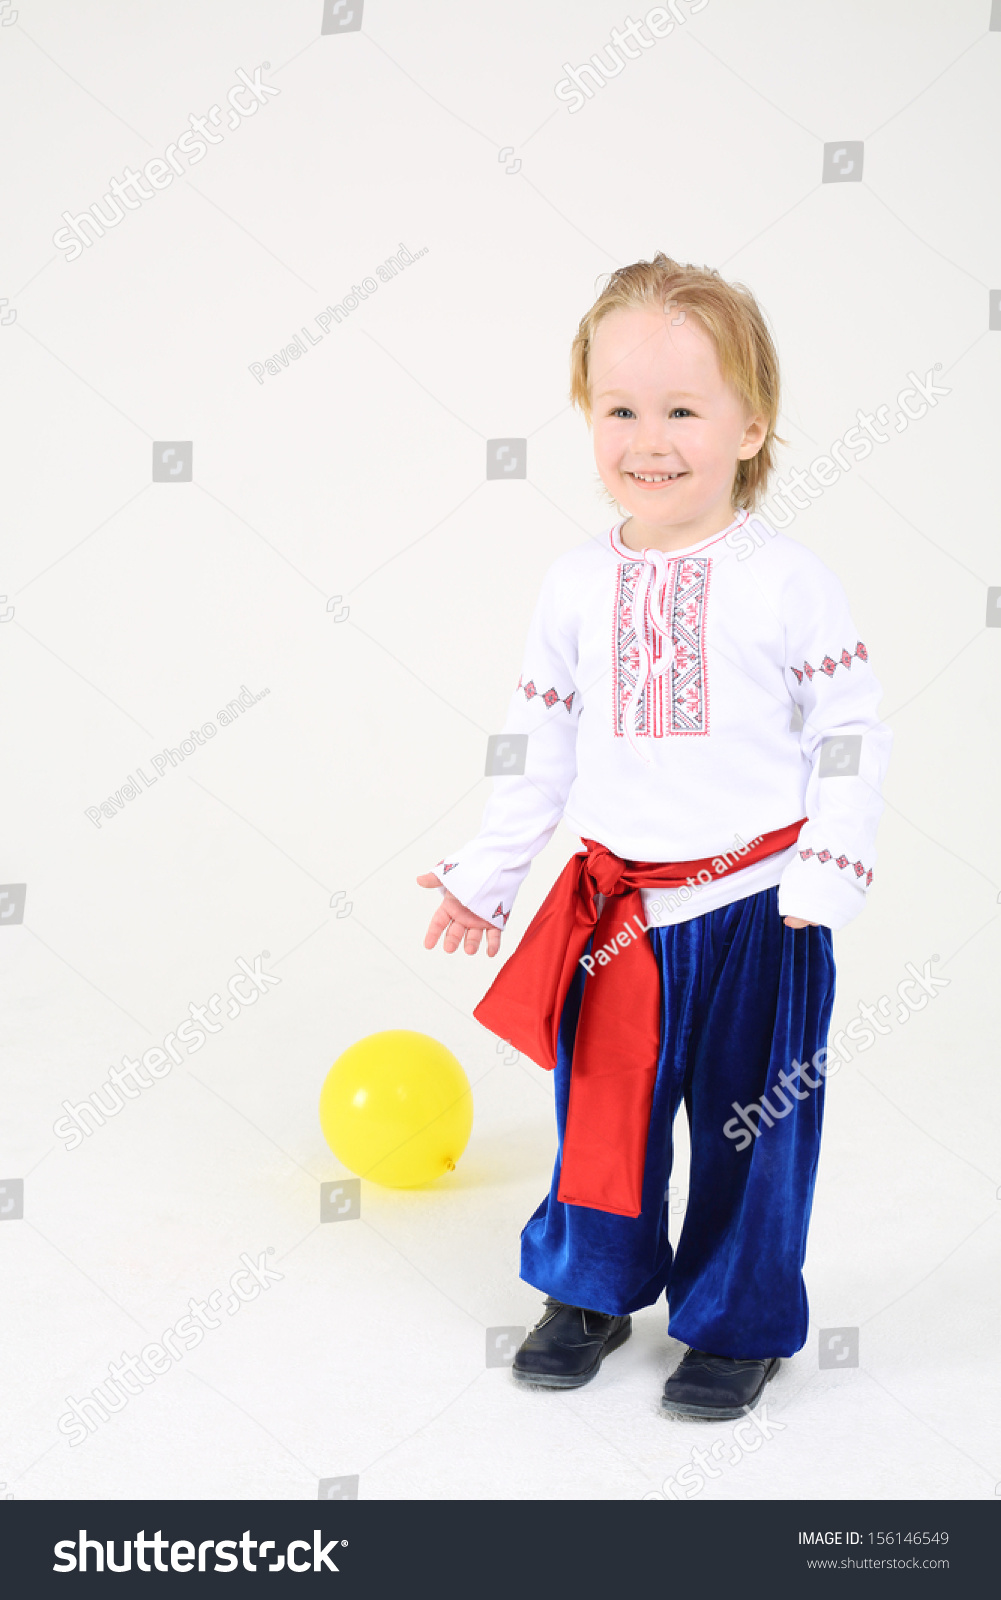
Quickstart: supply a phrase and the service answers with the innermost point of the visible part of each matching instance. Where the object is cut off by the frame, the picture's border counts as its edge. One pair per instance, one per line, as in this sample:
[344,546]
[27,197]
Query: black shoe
[566,1348]
[703,1385]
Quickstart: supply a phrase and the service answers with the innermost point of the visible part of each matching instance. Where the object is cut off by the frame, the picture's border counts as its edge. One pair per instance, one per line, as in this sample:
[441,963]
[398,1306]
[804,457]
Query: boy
[687,954]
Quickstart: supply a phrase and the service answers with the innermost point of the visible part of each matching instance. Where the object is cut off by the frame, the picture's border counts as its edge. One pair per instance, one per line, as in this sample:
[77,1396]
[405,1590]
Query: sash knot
[608,871]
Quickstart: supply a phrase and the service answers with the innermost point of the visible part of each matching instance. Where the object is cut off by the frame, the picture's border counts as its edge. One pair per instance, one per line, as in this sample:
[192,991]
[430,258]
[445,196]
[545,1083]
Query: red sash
[617,1045]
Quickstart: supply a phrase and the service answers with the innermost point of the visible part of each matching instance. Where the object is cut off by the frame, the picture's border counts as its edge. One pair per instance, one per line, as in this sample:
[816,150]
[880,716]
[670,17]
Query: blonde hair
[733,320]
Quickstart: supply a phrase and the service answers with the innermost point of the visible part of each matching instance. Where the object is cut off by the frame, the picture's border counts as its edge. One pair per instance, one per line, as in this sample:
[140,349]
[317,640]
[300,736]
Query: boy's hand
[798,922]
[460,925]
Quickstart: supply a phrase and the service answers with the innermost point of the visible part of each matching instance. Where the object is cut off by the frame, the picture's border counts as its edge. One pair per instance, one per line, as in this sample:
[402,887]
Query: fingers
[452,919]
[473,938]
[471,943]
[469,938]
[439,922]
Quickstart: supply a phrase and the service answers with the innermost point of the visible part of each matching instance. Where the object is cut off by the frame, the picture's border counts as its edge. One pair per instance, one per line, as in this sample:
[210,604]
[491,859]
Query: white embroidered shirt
[675,706]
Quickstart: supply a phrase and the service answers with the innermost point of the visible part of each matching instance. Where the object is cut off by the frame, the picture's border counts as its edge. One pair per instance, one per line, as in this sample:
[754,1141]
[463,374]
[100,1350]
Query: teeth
[647,477]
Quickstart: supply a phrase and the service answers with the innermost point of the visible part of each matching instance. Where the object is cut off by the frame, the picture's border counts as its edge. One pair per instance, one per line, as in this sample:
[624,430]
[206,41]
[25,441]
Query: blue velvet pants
[743,998]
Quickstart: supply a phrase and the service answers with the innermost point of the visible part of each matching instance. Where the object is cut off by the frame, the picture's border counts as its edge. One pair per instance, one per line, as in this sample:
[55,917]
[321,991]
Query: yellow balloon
[397,1108]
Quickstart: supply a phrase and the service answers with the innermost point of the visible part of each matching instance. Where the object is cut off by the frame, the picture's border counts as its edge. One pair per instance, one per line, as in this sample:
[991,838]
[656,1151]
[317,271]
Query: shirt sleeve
[831,679]
[533,761]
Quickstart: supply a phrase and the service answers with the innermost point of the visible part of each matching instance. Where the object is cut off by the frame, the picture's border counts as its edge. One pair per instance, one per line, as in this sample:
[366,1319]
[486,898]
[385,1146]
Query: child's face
[661,408]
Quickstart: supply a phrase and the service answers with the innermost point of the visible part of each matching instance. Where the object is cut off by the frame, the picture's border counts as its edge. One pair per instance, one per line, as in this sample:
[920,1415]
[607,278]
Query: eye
[624,411]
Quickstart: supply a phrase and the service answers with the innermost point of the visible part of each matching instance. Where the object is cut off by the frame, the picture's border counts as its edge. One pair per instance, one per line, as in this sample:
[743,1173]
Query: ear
[754,437]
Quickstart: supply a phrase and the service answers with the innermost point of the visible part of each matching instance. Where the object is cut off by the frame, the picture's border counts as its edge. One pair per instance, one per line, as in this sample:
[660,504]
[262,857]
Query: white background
[140,609]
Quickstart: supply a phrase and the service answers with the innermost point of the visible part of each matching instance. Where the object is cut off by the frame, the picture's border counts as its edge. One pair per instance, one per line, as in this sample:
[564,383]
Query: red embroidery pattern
[499,911]
[829,665]
[550,697]
[840,861]
[683,604]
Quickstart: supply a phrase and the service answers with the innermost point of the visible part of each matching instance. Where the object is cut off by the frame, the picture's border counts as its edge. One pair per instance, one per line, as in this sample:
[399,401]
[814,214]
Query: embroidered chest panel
[676,700]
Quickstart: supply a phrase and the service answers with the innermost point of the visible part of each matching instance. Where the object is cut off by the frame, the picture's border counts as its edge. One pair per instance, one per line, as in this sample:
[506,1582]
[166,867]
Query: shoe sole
[672,1408]
[545,1380]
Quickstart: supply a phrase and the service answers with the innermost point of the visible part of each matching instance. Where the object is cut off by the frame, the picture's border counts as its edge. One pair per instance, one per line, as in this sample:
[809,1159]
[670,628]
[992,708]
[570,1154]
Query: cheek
[705,448]
[608,447]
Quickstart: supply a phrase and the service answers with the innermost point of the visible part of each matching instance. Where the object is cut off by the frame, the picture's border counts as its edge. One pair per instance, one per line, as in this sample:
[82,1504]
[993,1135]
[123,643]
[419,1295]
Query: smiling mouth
[653,480]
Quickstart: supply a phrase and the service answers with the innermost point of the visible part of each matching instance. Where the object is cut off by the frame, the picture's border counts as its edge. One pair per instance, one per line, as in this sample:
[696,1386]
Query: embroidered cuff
[483,899]
[817,890]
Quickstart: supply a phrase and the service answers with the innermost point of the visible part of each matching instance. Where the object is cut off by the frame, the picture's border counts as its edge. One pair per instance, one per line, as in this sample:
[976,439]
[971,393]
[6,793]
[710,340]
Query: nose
[652,438]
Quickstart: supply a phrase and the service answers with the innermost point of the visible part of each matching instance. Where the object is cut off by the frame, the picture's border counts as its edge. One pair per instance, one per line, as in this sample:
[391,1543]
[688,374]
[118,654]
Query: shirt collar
[625,554]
